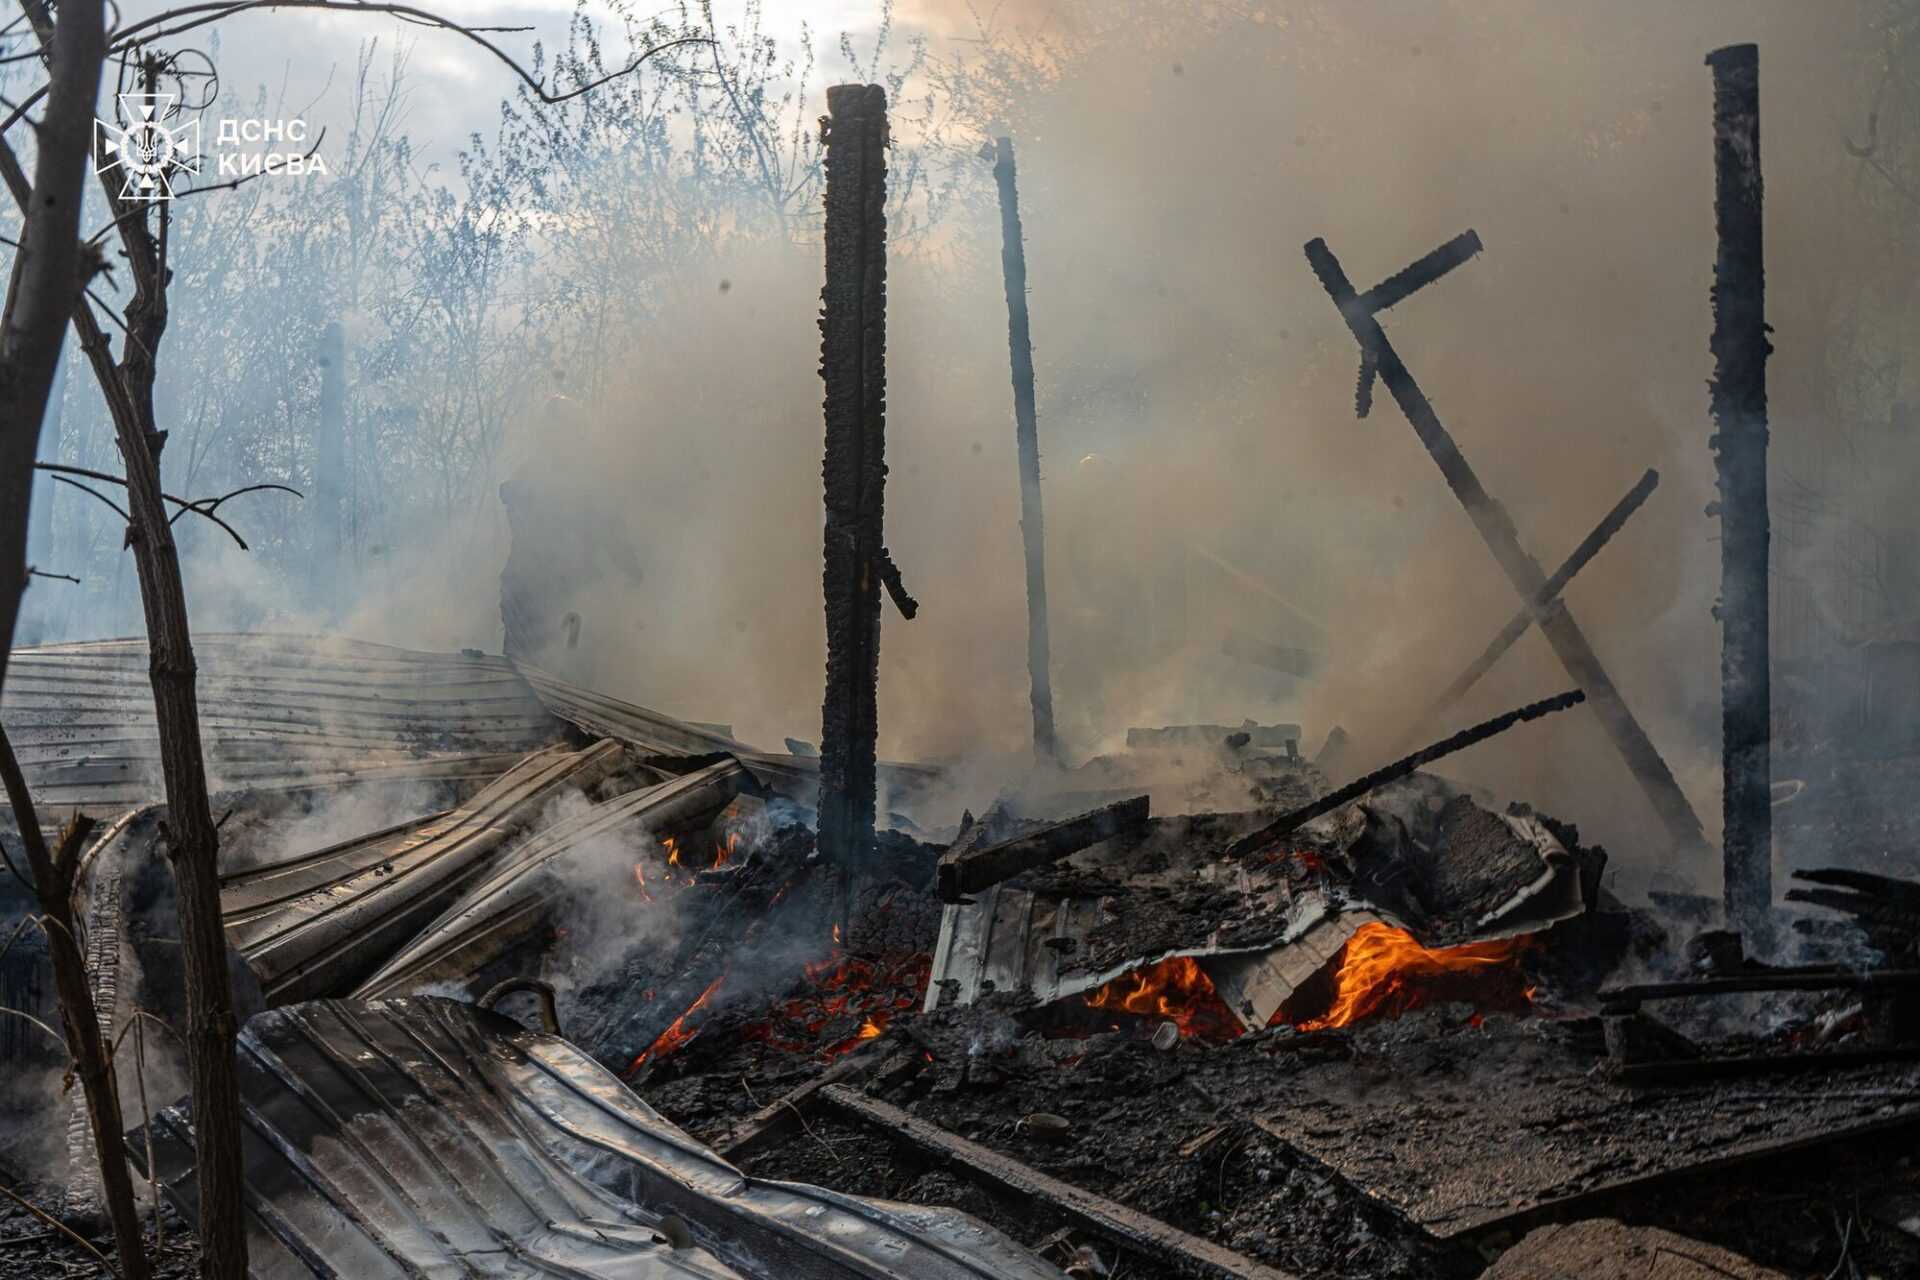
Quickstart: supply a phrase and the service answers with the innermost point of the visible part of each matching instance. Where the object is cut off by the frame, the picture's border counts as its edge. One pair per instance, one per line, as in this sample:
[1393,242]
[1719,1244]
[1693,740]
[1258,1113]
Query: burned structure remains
[531,980]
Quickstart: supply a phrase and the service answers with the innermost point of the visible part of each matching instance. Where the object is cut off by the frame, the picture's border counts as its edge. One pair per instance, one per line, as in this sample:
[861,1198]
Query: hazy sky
[456,86]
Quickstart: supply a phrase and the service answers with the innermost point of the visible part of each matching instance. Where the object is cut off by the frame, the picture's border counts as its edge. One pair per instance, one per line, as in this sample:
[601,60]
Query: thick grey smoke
[1204,473]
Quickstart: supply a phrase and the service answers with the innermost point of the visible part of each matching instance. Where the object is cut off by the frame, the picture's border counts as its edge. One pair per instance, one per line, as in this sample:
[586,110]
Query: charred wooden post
[329,466]
[1495,526]
[1026,434]
[1740,350]
[853,348]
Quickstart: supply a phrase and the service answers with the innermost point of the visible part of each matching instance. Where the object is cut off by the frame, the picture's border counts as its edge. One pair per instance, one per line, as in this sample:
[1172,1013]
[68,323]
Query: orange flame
[672,847]
[1176,989]
[723,851]
[679,1033]
[1384,972]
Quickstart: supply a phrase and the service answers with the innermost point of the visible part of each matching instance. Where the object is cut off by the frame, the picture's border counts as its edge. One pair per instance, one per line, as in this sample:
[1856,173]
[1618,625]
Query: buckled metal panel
[513,896]
[428,1138]
[317,924]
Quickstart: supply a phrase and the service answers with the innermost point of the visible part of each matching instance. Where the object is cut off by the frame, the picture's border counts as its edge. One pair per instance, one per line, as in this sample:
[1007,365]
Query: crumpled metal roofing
[513,896]
[428,1138]
[276,712]
[316,924]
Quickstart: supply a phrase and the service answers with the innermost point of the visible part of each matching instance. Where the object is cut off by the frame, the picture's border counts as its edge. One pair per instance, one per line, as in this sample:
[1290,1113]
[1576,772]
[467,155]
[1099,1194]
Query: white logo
[144,150]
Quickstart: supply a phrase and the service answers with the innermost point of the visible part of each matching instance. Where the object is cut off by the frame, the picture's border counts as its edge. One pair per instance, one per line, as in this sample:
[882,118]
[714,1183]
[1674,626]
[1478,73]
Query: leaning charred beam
[1548,597]
[1026,433]
[1496,529]
[1180,1253]
[1289,822]
[853,343]
[977,869]
[1739,384]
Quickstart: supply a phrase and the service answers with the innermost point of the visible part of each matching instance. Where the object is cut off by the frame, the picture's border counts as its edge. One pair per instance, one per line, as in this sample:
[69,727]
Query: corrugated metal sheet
[515,894]
[317,924]
[427,1138]
[653,734]
[276,712]
[1008,939]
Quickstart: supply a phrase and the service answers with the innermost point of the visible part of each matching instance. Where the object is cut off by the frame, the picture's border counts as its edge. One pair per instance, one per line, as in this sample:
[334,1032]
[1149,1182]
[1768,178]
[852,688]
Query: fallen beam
[1617,1000]
[1497,530]
[782,1116]
[1547,599]
[1287,823]
[1180,1253]
[972,870]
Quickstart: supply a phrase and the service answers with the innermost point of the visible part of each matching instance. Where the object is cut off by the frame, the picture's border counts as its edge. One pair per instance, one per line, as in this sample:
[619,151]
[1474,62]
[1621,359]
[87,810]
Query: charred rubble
[1408,1033]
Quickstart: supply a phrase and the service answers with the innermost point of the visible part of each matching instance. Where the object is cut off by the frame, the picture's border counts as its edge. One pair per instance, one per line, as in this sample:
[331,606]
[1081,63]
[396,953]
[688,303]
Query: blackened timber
[1548,598]
[853,341]
[1289,822]
[1739,399]
[1180,1253]
[976,869]
[1497,530]
[1026,432]
[329,467]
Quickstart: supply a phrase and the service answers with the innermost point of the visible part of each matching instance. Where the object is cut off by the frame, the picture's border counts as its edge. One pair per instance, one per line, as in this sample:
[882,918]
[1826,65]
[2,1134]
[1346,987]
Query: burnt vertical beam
[1496,529]
[1026,433]
[1739,402]
[329,467]
[853,343]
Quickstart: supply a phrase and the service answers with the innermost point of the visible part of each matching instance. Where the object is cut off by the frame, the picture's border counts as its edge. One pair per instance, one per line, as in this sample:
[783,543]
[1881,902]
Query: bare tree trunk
[192,838]
[53,876]
[193,842]
[45,282]
[1740,350]
[1026,430]
[853,363]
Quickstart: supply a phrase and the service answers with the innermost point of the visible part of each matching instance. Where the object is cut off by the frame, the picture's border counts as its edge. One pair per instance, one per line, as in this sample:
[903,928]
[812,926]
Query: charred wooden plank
[1290,822]
[1739,402]
[972,870]
[1182,1254]
[1804,978]
[781,1117]
[1496,529]
[1548,597]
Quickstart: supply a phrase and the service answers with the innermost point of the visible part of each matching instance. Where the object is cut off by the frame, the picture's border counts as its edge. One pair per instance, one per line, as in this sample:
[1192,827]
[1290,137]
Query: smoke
[1204,475]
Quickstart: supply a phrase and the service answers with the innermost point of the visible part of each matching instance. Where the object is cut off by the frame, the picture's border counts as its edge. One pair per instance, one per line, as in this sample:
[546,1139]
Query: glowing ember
[1176,989]
[1384,972]
[844,986]
[679,1033]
